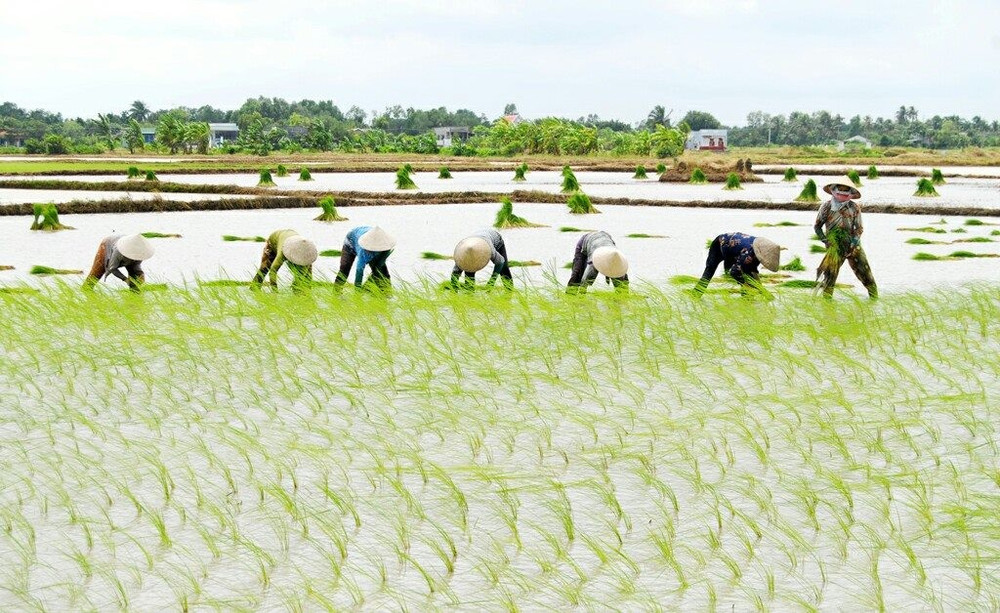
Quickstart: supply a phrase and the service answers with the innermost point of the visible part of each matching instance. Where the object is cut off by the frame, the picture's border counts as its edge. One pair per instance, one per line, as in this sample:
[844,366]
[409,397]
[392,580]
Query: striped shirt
[846,219]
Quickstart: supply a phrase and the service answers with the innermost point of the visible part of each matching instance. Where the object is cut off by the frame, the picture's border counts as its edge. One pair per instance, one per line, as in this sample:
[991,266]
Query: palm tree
[109,130]
[139,111]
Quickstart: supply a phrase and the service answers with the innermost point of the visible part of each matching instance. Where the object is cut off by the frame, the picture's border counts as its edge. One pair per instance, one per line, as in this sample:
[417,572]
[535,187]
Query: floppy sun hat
[843,182]
[299,250]
[767,252]
[135,247]
[377,239]
[472,254]
[610,262]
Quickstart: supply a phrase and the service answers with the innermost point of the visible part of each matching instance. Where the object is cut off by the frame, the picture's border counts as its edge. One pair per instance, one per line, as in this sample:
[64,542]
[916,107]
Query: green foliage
[519,172]
[794,265]
[698,177]
[667,142]
[918,240]
[790,175]
[133,172]
[780,224]
[572,229]
[151,176]
[281,171]
[251,239]
[505,217]
[430,255]
[854,177]
[265,178]
[925,188]
[329,210]
[930,229]
[579,203]
[872,172]
[644,235]
[569,184]
[640,172]
[975,222]
[733,181]
[133,137]
[444,173]
[403,180]
[47,270]
[304,175]
[330,253]
[160,235]
[808,193]
[47,218]
[661,168]
[937,177]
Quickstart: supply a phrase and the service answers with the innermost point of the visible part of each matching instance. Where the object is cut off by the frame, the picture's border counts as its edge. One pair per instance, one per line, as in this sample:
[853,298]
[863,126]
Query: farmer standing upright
[370,246]
[596,253]
[838,225]
[116,252]
[282,246]
[474,252]
[741,254]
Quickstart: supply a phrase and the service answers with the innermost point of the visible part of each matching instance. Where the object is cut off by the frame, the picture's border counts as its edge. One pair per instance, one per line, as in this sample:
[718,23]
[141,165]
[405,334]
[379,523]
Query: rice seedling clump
[872,172]
[640,172]
[579,203]
[519,172]
[732,181]
[47,218]
[444,173]
[305,175]
[329,213]
[151,176]
[403,180]
[570,185]
[133,172]
[661,168]
[854,177]
[265,178]
[790,175]
[937,177]
[925,188]
[808,193]
[505,217]
[698,177]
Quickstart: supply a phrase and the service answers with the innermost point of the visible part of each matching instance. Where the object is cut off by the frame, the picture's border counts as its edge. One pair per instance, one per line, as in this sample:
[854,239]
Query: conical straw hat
[299,250]
[377,239]
[135,247]
[610,262]
[767,252]
[472,254]
[846,182]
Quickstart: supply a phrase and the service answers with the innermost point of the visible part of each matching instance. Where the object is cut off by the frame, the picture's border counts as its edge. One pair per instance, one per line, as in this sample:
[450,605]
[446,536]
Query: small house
[707,140]
[447,135]
[148,135]
[10,140]
[222,133]
[856,142]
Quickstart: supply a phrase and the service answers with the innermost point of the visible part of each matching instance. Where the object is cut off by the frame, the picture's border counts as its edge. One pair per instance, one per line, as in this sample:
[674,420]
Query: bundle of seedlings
[854,177]
[403,180]
[795,265]
[569,185]
[733,181]
[644,235]
[790,175]
[282,171]
[640,172]
[872,172]
[444,173]
[304,175]
[808,193]
[937,178]
[925,188]
[47,270]
[160,235]
[47,218]
[133,172]
[506,218]
[661,168]
[265,178]
[698,177]
[519,172]
[151,176]
[329,210]
[250,239]
[579,204]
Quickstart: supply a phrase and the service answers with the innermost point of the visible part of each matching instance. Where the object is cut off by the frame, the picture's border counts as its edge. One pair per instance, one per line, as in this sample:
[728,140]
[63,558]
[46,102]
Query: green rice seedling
[430,255]
[160,235]
[817,249]
[791,175]
[151,176]
[854,177]
[872,172]
[959,231]
[579,204]
[133,172]
[978,222]
[281,171]
[661,168]
[995,233]
[47,270]
[644,235]
[5,267]
[523,263]
[403,180]
[265,178]
[732,181]
[929,229]
[640,172]
[519,172]
[444,173]
[505,217]
[937,178]
[330,253]
[572,229]
[925,188]
[808,193]
[972,254]
[47,218]
[570,185]
[698,177]
[251,239]
[305,175]
[917,240]
[974,239]
[329,210]
[780,224]
[929,257]
[794,265]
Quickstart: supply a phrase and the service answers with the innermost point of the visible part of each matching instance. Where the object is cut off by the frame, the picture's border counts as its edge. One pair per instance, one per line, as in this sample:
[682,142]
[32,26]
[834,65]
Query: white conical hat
[377,239]
[610,262]
[472,254]
[135,247]
[768,252]
[844,181]
[299,250]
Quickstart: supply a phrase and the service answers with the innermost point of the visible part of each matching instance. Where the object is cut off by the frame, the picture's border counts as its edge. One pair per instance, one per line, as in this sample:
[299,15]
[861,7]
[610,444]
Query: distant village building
[855,142]
[10,140]
[447,135]
[148,135]
[222,133]
[707,140]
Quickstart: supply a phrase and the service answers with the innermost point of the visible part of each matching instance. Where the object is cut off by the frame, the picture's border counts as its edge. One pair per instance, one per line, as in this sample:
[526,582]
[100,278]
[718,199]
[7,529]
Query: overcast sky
[550,57]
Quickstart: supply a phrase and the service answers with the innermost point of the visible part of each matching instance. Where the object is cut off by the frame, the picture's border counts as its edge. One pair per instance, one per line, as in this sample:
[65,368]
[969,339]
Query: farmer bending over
[371,246]
[841,218]
[474,252]
[596,253]
[116,252]
[282,246]
[741,254]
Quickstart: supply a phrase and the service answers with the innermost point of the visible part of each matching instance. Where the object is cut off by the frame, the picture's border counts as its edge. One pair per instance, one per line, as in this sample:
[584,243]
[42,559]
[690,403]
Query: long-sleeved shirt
[584,272]
[735,251]
[364,257]
[498,255]
[109,260]
[273,259]
[847,220]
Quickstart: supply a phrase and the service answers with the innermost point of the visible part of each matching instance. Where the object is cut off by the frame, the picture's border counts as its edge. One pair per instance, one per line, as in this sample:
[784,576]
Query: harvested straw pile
[715,172]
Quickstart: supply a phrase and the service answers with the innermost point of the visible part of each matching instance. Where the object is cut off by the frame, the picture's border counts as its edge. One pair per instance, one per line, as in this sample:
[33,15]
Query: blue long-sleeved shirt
[364,257]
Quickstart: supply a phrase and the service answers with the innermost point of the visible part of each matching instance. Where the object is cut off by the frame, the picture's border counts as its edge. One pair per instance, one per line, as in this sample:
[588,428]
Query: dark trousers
[380,270]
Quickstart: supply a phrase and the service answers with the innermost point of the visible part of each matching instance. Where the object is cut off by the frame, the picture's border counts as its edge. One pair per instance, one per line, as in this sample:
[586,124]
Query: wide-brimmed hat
[299,250]
[472,254]
[768,253]
[610,262]
[844,181]
[377,239]
[135,247]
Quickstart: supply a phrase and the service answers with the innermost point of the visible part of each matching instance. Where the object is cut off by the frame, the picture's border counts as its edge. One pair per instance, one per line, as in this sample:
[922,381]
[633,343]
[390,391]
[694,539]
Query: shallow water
[202,252]
[58,196]
[947,171]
